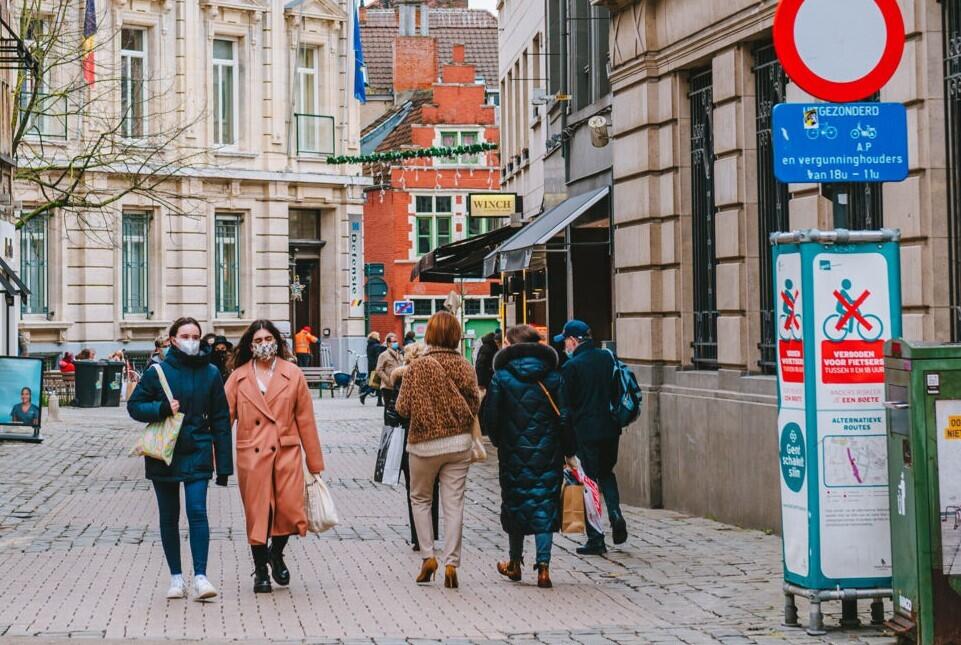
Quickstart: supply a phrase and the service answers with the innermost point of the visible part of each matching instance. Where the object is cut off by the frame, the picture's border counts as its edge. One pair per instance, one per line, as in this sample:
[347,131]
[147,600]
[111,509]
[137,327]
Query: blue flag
[360,69]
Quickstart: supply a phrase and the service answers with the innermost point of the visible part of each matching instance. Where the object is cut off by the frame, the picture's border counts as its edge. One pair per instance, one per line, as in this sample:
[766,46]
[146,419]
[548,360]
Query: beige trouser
[452,471]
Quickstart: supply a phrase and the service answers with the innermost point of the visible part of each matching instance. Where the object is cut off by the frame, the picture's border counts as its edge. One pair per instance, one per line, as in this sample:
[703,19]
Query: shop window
[492,306]
[133,81]
[227,263]
[33,264]
[433,225]
[770,84]
[472,307]
[703,215]
[951,25]
[422,307]
[136,226]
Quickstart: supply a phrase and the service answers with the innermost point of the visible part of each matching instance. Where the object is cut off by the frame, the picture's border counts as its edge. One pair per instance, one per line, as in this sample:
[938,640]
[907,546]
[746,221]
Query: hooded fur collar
[544,352]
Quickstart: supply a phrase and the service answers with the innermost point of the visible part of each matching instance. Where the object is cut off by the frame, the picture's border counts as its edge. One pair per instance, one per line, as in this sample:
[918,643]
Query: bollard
[53,406]
[790,611]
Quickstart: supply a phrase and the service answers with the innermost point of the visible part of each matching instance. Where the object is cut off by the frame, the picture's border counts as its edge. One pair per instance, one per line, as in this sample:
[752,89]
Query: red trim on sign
[822,88]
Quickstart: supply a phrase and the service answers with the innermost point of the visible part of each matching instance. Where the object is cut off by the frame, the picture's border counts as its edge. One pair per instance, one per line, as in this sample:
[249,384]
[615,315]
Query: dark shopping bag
[389,454]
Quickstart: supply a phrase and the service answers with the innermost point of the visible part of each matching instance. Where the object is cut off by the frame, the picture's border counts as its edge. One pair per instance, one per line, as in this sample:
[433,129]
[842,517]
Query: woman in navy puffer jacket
[203,443]
[525,416]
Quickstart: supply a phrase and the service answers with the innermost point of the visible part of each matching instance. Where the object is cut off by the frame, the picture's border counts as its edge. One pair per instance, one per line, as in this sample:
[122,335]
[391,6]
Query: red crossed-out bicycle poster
[846,299]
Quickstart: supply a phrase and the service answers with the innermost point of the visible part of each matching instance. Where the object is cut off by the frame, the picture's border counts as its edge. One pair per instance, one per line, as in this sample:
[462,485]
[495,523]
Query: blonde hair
[375,335]
[413,351]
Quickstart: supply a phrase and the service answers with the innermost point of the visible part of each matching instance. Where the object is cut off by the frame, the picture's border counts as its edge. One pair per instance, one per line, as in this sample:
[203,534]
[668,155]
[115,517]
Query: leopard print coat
[439,395]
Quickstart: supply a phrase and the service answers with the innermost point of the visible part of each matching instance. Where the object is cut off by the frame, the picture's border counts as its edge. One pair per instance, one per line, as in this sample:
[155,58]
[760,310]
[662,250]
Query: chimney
[457,54]
[415,52]
[362,13]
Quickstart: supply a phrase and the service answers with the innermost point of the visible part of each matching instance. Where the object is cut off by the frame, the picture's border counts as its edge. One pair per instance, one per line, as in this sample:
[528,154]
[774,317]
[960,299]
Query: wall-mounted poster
[21,383]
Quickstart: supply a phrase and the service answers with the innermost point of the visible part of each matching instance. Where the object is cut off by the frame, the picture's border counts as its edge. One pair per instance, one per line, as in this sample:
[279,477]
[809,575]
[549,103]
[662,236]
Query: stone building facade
[524,101]
[694,200]
[264,94]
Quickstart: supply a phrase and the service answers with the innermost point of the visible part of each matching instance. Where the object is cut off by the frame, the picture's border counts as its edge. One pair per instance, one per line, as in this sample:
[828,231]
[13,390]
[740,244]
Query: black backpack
[626,400]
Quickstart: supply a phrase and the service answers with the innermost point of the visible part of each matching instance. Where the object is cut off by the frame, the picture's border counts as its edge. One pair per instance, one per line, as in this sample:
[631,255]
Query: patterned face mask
[265,351]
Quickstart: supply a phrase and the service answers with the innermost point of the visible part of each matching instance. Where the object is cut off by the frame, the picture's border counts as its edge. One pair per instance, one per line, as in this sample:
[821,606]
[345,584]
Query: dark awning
[10,282]
[460,260]
[515,253]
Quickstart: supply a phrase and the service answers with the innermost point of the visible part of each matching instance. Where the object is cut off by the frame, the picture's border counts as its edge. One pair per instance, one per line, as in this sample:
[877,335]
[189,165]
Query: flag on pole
[89,30]
[360,69]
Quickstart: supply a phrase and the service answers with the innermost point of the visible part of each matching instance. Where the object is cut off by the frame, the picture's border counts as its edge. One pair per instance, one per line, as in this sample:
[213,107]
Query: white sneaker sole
[207,595]
[176,595]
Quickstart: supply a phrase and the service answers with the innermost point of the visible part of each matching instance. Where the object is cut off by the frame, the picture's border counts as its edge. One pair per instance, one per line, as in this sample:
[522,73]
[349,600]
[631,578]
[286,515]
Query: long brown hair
[243,354]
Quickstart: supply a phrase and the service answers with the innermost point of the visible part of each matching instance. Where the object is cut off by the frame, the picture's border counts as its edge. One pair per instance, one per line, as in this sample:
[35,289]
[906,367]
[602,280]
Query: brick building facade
[417,205]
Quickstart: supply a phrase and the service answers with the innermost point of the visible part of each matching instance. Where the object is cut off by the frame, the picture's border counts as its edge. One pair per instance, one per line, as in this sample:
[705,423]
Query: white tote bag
[318,504]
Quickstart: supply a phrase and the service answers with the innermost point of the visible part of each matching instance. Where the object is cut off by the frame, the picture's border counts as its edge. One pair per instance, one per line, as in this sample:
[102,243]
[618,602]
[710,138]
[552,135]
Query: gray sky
[490,5]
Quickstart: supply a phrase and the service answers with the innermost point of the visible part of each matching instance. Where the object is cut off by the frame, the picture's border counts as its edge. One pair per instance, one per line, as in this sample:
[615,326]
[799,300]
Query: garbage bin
[89,381]
[112,384]
[923,401]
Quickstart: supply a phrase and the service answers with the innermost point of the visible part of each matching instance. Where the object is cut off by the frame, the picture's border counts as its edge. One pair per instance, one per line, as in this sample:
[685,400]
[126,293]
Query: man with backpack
[592,390]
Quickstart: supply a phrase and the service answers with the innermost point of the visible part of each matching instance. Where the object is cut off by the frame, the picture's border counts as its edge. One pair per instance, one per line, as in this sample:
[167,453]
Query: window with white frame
[472,306]
[481,225]
[312,127]
[45,114]
[433,225]
[227,263]
[457,138]
[226,72]
[133,85]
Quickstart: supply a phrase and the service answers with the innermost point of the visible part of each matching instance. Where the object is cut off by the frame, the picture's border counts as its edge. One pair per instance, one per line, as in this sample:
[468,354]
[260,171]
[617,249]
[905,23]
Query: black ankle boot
[277,566]
[261,574]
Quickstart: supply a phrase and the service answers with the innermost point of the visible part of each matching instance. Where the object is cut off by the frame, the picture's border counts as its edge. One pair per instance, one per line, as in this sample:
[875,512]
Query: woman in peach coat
[276,431]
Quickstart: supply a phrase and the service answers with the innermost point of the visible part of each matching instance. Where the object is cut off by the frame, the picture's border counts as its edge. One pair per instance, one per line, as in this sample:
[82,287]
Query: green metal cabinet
[923,401]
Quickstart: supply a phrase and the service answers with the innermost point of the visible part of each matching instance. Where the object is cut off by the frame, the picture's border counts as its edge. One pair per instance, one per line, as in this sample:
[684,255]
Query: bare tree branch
[74,145]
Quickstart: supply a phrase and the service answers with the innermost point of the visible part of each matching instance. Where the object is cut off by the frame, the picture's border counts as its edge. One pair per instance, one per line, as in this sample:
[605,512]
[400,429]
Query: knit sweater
[439,395]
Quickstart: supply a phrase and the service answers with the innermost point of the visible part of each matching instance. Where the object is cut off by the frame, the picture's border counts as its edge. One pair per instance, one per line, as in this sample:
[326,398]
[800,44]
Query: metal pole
[790,610]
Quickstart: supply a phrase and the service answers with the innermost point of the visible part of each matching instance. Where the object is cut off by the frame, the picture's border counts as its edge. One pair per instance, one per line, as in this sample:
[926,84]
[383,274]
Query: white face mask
[188,347]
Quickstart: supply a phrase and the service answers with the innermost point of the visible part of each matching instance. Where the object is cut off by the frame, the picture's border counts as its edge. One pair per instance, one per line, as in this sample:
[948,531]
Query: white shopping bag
[389,455]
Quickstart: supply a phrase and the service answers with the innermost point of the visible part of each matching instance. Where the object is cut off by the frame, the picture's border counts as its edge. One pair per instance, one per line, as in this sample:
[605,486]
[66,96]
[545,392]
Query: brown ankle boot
[511,570]
[543,576]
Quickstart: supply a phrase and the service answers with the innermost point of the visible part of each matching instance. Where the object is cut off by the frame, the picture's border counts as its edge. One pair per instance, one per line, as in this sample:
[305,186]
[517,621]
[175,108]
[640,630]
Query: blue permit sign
[840,142]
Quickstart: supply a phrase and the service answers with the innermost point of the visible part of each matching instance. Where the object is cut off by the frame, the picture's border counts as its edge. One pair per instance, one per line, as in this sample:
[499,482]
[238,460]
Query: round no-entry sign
[839,50]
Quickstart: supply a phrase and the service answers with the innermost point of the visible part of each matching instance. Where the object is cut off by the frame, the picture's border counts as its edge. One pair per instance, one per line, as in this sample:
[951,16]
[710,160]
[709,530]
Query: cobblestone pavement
[81,558]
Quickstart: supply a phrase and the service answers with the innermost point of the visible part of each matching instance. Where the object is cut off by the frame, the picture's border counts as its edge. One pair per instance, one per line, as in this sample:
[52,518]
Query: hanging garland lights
[399,155]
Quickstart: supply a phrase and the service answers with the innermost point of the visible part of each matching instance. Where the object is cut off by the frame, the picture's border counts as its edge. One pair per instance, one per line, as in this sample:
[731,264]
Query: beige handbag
[318,504]
[160,437]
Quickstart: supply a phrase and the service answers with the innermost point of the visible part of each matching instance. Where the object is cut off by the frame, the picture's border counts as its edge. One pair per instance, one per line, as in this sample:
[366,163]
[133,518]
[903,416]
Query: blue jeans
[542,541]
[168,501]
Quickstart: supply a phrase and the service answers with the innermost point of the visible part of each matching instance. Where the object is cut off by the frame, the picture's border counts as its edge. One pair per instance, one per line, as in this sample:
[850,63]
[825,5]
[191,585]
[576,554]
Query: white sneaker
[178,589]
[203,590]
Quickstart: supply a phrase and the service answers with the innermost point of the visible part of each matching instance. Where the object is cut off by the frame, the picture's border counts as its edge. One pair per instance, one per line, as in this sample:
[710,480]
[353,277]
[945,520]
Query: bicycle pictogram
[849,319]
[823,130]
[789,320]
